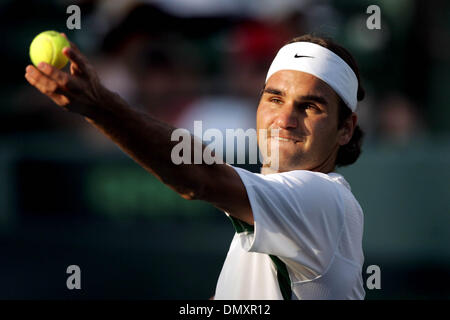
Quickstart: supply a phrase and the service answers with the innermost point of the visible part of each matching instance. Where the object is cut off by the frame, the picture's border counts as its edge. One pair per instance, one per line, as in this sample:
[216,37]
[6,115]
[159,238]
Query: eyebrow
[274,91]
[308,97]
[314,98]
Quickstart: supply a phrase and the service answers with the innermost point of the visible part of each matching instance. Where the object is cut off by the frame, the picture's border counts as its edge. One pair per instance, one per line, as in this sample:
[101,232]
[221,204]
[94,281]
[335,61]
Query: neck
[268,170]
[327,166]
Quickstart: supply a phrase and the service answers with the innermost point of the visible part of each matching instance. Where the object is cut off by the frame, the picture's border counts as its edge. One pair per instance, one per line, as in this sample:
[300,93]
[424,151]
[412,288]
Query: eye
[307,106]
[275,100]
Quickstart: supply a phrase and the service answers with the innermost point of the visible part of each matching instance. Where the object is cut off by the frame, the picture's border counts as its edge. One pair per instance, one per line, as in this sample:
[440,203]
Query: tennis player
[298,228]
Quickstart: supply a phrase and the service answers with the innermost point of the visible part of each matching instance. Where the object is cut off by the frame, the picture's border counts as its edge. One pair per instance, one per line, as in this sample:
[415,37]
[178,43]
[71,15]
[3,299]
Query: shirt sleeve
[298,217]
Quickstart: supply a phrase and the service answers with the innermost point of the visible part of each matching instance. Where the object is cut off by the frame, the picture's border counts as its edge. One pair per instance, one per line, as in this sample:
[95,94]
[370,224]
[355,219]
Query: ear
[346,132]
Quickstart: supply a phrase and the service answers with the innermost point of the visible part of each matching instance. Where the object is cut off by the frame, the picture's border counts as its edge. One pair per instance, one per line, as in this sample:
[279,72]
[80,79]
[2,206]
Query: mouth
[285,139]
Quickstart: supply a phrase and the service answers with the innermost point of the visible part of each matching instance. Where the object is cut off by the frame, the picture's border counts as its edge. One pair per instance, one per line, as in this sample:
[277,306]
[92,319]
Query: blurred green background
[70,196]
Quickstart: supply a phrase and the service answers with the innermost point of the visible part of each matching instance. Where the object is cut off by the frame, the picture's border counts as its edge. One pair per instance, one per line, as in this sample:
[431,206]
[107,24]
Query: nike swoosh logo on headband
[299,56]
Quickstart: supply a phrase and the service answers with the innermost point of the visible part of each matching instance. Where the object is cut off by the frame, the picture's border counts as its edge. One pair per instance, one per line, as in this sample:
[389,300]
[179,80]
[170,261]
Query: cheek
[326,132]
[264,117]
[321,130]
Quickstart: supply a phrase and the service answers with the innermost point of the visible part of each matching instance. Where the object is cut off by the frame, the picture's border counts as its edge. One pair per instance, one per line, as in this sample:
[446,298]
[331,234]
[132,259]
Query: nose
[287,117]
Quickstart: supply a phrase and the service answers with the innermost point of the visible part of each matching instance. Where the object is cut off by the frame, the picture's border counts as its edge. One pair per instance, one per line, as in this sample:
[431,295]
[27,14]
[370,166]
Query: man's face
[305,110]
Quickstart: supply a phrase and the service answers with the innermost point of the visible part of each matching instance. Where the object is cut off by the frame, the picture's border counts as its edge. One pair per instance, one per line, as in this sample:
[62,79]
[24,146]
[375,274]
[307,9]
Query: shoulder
[300,188]
[304,176]
[296,181]
[298,175]
[311,182]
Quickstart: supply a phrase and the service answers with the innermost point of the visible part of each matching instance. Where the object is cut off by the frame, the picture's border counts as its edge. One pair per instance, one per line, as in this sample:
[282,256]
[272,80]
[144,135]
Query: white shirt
[312,222]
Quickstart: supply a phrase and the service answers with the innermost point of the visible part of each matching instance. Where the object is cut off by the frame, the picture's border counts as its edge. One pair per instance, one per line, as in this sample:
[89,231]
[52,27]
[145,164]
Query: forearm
[148,141]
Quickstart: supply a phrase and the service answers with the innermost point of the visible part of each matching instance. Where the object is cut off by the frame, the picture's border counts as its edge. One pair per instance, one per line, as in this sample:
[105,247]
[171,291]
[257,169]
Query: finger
[76,57]
[59,99]
[60,77]
[40,81]
[74,69]
[46,86]
[72,45]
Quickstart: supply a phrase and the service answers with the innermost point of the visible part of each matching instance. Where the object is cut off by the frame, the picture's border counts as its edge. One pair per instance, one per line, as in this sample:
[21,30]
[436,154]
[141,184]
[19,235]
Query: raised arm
[144,138]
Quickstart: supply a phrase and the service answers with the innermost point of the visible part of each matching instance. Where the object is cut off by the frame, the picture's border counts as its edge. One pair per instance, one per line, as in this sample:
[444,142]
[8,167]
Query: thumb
[75,56]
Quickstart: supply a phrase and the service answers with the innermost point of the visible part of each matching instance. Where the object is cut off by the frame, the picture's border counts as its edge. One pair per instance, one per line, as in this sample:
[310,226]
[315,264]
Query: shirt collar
[339,178]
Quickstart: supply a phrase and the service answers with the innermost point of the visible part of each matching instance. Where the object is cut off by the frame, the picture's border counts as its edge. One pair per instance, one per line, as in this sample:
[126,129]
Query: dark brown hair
[349,153]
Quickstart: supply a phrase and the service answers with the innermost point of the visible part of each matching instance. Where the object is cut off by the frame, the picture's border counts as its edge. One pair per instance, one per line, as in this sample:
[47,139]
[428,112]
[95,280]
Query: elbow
[186,187]
[191,184]
[193,193]
[189,195]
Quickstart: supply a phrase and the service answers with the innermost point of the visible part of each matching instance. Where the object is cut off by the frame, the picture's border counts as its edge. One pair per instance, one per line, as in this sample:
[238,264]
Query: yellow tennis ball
[47,47]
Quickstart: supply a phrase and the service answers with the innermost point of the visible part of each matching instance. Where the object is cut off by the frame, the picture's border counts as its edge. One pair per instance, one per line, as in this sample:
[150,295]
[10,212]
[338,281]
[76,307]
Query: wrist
[107,106]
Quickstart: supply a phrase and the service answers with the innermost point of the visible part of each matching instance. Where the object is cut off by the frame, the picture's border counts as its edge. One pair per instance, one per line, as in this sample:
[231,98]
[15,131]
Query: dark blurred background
[70,196]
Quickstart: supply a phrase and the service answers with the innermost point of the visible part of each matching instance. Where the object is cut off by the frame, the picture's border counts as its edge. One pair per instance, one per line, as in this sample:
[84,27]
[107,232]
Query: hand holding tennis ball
[47,47]
[79,91]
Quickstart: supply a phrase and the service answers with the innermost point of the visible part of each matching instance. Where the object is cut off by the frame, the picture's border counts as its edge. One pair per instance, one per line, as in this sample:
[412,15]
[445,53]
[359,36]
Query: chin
[288,165]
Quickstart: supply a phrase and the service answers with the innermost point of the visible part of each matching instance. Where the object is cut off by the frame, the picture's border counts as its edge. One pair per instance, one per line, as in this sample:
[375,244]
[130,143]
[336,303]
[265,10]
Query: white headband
[320,62]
